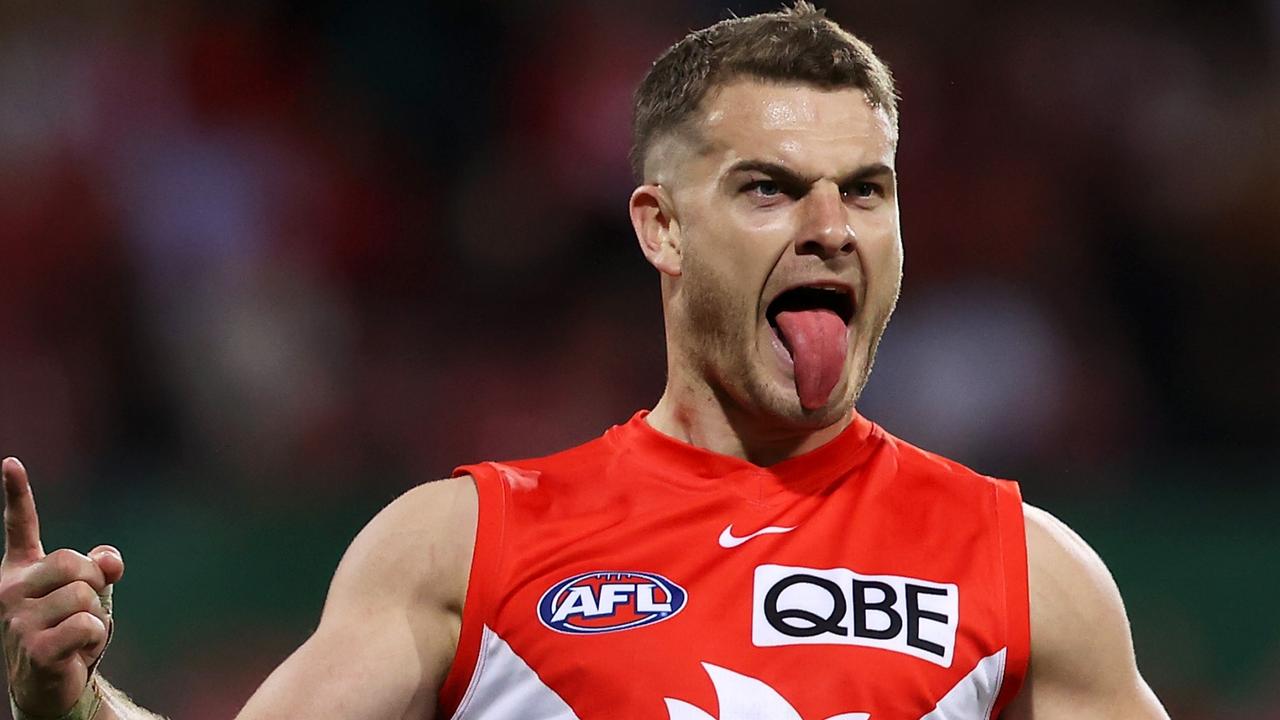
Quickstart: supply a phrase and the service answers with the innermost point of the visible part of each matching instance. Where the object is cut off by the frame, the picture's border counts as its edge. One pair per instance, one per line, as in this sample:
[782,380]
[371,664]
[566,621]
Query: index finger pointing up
[21,524]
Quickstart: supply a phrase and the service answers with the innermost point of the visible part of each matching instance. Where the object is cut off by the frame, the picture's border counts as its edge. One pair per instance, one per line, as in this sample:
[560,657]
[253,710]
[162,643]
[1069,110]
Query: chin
[783,404]
[833,412]
[773,391]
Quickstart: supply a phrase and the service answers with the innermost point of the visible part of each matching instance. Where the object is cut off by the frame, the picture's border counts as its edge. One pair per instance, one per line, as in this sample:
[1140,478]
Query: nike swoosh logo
[729,540]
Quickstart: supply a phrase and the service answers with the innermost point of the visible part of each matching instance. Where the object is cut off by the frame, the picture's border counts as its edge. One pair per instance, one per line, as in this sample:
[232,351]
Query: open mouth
[810,326]
[805,298]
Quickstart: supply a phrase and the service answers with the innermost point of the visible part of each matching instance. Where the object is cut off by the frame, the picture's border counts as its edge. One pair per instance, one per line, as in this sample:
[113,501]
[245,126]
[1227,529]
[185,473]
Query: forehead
[820,131]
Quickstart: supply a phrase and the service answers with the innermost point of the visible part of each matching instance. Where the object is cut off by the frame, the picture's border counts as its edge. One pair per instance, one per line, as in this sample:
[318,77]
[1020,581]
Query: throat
[704,421]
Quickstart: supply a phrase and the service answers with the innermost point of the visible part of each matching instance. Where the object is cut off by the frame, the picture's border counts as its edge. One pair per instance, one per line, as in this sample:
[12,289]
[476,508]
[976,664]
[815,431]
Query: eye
[762,188]
[863,190]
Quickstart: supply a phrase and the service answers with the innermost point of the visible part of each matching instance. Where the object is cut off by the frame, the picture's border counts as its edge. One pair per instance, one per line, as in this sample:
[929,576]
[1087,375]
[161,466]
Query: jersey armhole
[1013,557]
[485,560]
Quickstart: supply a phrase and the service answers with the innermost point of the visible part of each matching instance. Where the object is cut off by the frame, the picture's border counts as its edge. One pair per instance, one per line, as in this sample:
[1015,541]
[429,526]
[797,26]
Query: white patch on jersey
[503,686]
[742,697]
[837,606]
[975,695]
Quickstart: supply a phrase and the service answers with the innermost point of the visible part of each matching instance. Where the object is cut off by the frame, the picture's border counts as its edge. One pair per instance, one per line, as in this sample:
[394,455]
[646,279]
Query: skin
[771,188]
[816,203]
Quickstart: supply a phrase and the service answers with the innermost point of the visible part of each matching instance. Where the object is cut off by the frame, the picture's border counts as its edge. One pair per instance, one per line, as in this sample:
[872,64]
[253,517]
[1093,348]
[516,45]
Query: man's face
[783,187]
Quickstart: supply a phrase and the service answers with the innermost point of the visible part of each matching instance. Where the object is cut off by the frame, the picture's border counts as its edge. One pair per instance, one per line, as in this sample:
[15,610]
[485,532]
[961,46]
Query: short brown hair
[797,44]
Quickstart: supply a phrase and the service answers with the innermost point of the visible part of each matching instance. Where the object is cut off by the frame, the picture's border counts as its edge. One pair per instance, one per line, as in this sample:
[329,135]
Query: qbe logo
[837,606]
[601,602]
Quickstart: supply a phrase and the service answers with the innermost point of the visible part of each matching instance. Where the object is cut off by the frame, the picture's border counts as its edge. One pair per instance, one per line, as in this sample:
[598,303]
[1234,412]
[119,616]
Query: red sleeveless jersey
[637,576]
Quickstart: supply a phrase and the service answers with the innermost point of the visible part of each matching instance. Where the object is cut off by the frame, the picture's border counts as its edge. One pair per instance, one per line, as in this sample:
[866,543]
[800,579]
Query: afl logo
[601,602]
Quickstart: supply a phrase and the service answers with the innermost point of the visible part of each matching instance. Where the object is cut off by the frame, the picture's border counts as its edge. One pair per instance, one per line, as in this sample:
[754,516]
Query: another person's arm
[1082,662]
[382,648]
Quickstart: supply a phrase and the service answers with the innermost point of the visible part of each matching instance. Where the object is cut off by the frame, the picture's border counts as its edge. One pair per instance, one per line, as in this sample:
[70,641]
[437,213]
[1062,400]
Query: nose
[825,229]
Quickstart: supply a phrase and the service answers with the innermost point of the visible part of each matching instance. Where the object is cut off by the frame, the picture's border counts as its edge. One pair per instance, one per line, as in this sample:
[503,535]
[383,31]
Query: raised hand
[54,624]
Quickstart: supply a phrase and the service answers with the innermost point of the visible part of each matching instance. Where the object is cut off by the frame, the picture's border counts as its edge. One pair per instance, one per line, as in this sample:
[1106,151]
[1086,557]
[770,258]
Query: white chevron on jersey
[742,697]
[975,695]
[503,686]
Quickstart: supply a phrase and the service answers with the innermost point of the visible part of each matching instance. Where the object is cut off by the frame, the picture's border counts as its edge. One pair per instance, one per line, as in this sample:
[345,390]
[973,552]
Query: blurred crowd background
[265,265]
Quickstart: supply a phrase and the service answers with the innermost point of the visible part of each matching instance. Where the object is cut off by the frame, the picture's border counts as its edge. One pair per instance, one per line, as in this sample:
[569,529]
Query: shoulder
[389,627]
[1070,588]
[581,464]
[942,477]
[1082,660]
[595,451]
[417,548]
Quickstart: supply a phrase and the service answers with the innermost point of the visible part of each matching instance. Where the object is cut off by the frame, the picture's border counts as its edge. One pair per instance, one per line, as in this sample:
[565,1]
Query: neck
[701,418]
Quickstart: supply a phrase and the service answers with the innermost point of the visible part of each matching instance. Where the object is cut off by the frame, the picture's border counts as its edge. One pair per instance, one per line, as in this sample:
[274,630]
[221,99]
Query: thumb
[109,561]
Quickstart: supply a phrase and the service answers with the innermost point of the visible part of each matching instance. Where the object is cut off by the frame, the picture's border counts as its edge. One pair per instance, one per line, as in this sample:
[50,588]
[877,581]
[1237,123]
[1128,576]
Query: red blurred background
[264,265]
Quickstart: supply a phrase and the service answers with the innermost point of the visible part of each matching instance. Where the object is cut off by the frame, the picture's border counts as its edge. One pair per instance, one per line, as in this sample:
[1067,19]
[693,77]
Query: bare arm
[1082,661]
[390,625]
[382,648]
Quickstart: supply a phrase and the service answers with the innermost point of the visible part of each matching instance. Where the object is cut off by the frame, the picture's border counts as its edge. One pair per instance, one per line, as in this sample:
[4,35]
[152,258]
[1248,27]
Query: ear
[656,228]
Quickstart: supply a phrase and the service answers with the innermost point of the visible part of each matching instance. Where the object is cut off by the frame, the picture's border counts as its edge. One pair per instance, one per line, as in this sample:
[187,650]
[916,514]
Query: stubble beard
[876,328]
[720,345]
[718,342]
[715,334]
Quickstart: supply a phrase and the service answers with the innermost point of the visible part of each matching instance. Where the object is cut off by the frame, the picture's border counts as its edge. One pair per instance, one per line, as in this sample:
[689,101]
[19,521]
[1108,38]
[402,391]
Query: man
[750,548]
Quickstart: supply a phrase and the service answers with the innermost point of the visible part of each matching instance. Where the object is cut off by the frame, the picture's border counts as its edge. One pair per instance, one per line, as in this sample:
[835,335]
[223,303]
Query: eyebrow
[786,174]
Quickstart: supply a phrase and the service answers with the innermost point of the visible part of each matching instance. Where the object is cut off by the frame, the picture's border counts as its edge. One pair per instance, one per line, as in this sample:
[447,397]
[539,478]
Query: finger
[21,524]
[58,568]
[109,561]
[82,631]
[66,601]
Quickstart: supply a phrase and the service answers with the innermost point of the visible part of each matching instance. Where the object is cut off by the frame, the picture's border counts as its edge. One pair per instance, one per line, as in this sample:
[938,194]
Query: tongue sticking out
[818,343]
